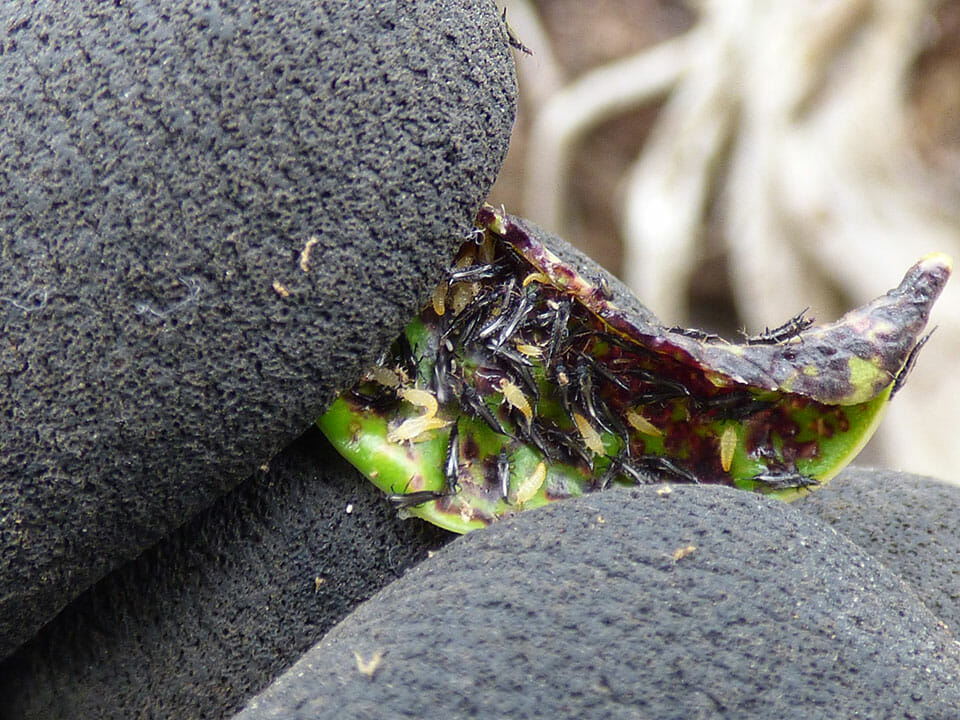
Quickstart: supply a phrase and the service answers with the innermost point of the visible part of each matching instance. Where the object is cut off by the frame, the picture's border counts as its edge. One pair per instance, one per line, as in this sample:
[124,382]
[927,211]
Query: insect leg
[559,330]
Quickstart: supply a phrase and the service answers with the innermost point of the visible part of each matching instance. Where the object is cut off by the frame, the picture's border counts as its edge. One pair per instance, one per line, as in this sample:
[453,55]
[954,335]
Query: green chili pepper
[524,382]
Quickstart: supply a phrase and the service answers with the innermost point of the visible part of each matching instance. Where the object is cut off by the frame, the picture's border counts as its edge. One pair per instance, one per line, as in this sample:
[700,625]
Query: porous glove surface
[213,217]
[701,602]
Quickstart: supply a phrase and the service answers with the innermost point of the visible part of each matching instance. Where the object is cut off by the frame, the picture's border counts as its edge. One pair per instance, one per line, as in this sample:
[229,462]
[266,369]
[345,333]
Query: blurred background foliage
[735,161]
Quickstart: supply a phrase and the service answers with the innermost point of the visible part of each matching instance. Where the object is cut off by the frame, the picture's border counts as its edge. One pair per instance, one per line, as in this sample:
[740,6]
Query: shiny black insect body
[640,468]
[443,378]
[474,273]
[533,434]
[587,392]
[901,377]
[451,466]
[518,367]
[570,446]
[696,334]
[379,398]
[559,330]
[405,357]
[405,500]
[782,333]
[736,405]
[613,471]
[503,473]
[476,406]
[512,38]
[783,479]
[517,315]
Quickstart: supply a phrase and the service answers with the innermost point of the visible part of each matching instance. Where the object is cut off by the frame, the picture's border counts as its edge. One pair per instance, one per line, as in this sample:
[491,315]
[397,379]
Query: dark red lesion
[809,450]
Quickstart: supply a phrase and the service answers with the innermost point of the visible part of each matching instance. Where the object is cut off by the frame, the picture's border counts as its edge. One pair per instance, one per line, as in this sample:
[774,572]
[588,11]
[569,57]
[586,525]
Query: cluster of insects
[522,382]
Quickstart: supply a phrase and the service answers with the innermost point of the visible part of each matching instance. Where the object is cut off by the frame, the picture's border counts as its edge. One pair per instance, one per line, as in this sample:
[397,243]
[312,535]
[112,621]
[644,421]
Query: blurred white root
[789,121]
[581,106]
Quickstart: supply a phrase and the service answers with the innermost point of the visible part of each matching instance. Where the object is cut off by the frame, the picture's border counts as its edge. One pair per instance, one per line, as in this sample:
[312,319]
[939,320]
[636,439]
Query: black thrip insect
[789,330]
[511,36]
[522,368]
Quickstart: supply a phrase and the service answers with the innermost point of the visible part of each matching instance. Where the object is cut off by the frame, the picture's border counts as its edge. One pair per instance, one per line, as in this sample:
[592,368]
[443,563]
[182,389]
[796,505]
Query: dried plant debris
[522,382]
